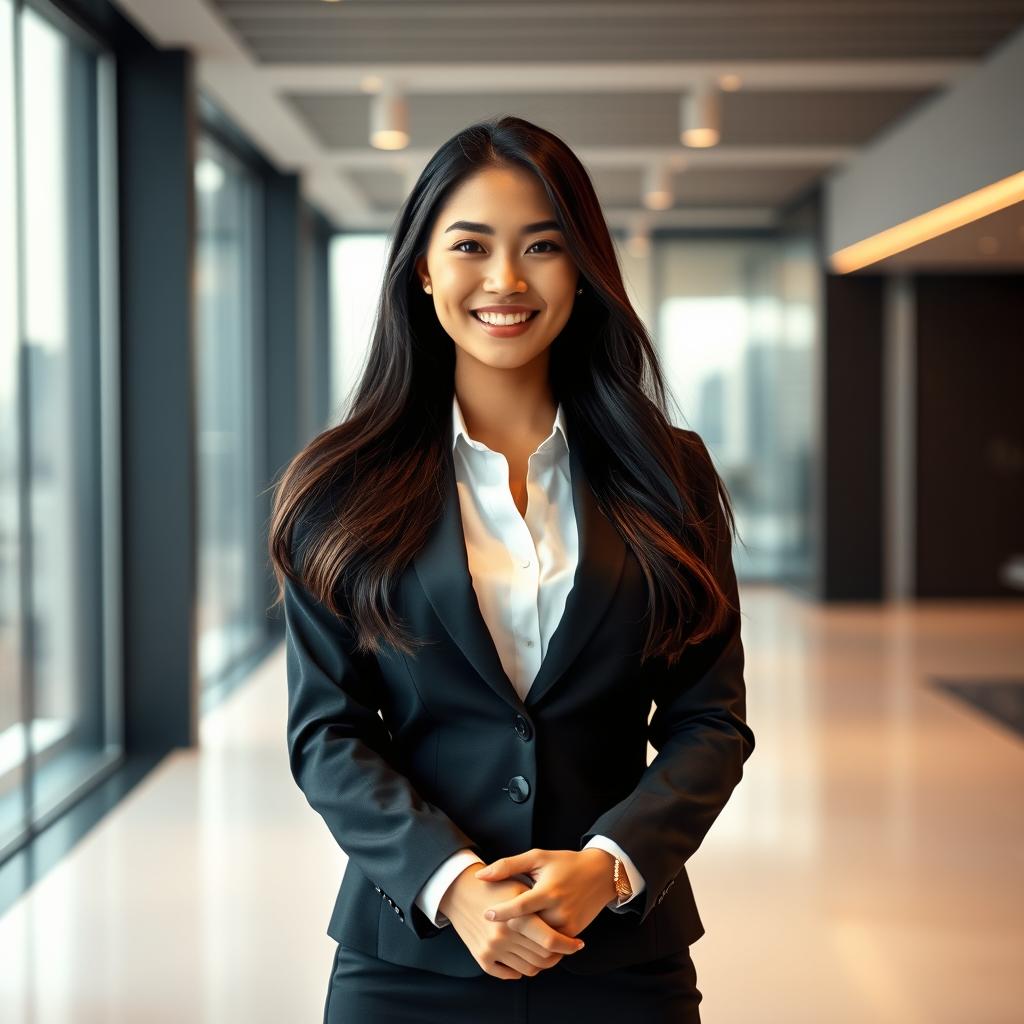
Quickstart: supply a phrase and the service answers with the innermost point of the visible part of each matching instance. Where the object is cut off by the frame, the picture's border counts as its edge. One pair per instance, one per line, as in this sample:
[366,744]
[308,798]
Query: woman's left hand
[571,887]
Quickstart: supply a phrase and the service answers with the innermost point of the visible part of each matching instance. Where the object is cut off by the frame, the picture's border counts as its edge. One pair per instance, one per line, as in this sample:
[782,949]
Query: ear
[420,267]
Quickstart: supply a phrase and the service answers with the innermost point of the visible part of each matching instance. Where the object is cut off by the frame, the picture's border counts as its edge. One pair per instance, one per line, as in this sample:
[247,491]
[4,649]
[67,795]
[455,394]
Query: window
[60,713]
[357,275]
[231,614]
[736,333]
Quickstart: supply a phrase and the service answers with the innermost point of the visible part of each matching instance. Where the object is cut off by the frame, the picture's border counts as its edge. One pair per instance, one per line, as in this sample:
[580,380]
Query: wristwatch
[623,890]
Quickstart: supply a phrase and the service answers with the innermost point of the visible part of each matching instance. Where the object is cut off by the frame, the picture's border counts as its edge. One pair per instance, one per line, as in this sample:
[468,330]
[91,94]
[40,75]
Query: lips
[532,312]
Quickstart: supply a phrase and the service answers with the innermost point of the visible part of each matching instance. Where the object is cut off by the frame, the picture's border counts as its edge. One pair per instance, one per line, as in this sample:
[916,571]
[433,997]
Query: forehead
[501,196]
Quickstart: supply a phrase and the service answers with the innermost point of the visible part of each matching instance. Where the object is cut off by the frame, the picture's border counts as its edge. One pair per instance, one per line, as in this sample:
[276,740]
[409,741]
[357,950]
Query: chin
[501,355]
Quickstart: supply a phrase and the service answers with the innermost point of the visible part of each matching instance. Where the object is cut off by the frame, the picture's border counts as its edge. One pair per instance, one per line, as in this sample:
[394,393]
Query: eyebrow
[486,229]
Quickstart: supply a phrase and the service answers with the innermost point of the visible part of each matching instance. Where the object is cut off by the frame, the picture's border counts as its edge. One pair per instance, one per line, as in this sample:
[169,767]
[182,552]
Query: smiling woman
[491,572]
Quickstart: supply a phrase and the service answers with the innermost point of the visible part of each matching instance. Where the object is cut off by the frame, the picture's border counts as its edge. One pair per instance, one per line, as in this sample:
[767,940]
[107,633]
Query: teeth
[502,319]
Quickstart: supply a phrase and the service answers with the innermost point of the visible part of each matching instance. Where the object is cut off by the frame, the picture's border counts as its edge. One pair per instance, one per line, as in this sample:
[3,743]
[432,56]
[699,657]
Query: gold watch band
[623,890]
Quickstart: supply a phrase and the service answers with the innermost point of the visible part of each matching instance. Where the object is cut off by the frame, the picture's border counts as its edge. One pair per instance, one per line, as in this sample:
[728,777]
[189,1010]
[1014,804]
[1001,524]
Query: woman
[490,572]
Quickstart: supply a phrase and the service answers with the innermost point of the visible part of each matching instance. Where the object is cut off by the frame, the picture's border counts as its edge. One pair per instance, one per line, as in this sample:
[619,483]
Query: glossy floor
[868,867]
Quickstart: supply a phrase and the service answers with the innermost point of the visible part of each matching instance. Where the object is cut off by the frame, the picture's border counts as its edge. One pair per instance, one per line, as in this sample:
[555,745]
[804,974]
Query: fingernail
[489,915]
[580,945]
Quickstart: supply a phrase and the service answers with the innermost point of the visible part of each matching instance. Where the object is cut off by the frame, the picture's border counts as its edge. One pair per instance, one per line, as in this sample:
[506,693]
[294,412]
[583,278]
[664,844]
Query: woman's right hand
[504,949]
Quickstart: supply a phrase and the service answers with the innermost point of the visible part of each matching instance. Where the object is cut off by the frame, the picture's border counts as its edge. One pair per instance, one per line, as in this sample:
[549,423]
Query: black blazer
[455,758]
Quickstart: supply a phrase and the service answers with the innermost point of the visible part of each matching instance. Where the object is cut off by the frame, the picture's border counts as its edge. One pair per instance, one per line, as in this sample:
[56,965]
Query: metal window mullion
[25,634]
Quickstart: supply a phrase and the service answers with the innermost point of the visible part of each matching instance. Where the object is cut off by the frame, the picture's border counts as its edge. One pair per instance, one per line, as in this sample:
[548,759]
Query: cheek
[562,281]
[451,276]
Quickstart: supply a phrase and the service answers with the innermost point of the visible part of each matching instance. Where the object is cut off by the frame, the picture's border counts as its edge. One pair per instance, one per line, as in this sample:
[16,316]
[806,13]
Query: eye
[544,241]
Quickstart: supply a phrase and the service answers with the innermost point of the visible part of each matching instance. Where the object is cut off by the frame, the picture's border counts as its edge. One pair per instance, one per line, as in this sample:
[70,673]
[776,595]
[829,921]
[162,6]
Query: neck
[504,408]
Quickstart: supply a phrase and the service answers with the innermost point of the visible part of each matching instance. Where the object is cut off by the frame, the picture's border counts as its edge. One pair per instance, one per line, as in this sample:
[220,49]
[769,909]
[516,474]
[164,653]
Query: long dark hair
[366,492]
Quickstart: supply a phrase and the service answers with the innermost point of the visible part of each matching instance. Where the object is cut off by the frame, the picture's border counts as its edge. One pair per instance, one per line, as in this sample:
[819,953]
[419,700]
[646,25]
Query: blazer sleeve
[702,739]
[341,757]
[429,898]
[636,880]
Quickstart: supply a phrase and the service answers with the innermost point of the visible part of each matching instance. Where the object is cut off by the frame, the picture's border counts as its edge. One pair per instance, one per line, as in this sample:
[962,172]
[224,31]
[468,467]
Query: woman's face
[479,255]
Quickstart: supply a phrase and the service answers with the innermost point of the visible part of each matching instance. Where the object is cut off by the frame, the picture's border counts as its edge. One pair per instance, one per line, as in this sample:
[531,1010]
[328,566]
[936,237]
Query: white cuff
[636,880]
[430,896]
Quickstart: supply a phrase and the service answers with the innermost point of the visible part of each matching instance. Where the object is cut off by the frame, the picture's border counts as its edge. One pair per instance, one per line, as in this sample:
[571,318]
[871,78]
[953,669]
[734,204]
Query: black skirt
[366,990]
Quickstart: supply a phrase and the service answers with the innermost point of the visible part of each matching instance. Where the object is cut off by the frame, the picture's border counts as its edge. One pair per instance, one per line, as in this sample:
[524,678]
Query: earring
[426,288]
[579,291]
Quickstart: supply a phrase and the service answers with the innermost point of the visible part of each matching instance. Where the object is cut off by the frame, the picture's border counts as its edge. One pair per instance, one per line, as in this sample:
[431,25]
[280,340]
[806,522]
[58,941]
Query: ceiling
[817,81]
[576,31]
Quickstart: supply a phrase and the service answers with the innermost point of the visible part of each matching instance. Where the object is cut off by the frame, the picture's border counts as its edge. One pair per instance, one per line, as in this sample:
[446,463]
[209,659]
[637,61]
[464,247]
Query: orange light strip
[942,219]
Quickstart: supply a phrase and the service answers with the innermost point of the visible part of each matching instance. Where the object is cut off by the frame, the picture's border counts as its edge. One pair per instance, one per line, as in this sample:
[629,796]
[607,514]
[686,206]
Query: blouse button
[525,563]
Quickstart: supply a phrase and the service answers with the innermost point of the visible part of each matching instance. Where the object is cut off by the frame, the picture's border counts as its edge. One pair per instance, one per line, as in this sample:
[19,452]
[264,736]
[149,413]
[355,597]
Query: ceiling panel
[361,31]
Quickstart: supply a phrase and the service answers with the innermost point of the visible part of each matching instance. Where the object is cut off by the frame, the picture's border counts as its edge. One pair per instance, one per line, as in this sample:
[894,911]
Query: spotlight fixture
[389,119]
[700,116]
[658,187]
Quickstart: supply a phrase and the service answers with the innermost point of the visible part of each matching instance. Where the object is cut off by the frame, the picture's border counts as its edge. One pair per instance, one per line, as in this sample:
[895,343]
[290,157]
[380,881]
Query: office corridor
[879,820]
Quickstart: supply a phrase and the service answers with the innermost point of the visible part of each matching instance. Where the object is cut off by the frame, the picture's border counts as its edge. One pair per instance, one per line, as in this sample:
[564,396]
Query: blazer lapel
[442,567]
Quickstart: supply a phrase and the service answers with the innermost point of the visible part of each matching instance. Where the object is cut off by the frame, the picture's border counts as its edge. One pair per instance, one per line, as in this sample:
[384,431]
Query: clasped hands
[512,929]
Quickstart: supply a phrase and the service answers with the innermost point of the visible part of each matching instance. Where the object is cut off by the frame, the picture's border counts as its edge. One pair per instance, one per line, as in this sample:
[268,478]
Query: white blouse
[522,571]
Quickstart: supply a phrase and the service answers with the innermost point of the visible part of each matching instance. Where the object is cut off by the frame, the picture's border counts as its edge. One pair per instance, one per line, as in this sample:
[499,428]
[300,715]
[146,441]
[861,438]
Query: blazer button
[522,726]
[518,789]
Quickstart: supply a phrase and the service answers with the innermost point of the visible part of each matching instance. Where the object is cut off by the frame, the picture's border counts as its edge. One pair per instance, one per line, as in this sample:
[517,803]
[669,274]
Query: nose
[505,277]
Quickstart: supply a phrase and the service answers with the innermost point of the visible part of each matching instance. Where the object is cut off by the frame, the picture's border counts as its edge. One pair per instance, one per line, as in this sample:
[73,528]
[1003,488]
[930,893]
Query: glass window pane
[12,734]
[231,616]
[356,268]
[72,681]
[736,335]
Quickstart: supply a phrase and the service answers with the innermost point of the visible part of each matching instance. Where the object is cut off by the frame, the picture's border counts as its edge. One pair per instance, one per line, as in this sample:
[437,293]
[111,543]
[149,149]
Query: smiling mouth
[473,313]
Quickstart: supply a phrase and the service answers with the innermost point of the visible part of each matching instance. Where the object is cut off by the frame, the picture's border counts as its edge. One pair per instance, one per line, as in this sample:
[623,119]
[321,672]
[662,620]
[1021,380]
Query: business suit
[523,565]
[459,761]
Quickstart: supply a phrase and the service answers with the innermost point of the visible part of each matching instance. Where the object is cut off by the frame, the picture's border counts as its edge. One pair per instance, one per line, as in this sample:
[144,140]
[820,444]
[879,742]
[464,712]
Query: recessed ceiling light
[922,228]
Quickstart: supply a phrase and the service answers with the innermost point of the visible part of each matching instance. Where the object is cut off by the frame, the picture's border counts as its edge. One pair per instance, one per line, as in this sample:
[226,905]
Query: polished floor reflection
[868,868]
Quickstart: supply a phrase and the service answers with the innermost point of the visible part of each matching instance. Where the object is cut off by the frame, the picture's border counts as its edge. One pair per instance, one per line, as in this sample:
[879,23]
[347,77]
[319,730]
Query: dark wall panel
[282,318]
[157,140]
[970,434]
[851,553]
